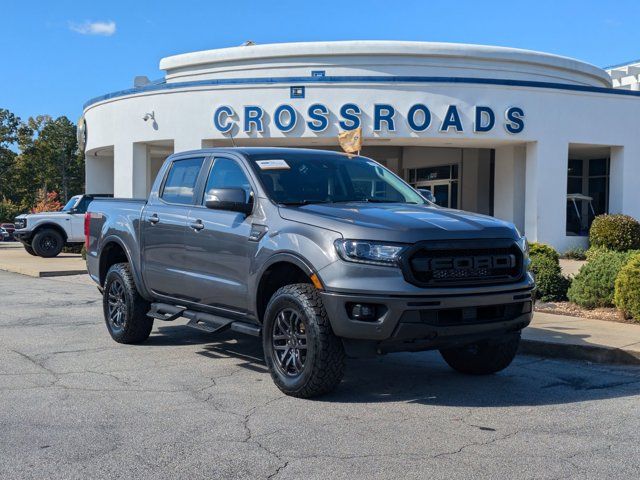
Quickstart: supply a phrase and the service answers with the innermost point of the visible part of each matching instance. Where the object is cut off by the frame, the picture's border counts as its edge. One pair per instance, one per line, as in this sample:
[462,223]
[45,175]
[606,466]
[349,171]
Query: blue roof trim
[618,65]
[360,79]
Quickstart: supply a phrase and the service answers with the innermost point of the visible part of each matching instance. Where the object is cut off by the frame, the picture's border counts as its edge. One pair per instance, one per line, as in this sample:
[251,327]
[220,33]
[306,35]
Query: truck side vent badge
[257,232]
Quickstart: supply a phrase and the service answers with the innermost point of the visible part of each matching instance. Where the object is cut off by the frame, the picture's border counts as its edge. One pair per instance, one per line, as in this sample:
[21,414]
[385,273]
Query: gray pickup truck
[322,254]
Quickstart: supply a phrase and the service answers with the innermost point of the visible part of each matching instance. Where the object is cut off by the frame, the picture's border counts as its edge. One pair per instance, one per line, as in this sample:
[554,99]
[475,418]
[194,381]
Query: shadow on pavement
[424,378]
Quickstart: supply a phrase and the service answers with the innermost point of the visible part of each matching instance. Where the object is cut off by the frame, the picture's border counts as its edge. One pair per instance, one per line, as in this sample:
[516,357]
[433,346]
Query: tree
[49,158]
[9,124]
[47,202]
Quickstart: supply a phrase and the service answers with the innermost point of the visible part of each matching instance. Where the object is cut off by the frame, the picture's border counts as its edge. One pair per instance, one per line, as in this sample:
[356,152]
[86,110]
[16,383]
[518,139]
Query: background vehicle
[322,254]
[4,235]
[10,228]
[45,234]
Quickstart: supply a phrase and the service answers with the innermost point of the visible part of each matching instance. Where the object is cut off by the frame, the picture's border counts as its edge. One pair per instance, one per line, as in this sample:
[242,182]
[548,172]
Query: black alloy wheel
[117,306]
[289,342]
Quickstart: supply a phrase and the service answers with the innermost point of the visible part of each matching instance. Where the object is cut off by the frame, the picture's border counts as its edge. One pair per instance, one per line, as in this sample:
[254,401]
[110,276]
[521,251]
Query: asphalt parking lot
[74,404]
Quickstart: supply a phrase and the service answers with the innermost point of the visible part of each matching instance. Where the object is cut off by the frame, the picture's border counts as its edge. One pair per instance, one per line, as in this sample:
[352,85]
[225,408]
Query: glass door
[441,180]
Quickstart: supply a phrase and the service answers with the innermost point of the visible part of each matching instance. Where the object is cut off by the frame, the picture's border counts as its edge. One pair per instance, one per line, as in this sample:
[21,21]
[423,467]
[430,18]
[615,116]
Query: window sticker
[273,165]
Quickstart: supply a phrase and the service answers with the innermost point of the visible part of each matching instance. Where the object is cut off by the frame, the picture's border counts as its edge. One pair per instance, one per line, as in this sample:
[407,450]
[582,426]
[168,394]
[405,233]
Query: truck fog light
[365,312]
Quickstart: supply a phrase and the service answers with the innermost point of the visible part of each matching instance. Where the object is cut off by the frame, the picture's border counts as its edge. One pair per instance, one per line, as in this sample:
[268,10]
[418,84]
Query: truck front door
[219,252]
[163,228]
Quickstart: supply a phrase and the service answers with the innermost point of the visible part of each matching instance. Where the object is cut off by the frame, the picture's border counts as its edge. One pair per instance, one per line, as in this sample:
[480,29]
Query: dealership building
[544,141]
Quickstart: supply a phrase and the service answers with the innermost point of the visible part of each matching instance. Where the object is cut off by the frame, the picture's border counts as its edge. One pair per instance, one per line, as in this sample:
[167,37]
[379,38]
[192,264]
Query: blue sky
[58,54]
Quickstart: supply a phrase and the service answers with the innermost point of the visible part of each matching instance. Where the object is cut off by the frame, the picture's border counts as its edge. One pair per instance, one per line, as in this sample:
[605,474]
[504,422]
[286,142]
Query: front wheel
[47,243]
[484,357]
[304,356]
[125,311]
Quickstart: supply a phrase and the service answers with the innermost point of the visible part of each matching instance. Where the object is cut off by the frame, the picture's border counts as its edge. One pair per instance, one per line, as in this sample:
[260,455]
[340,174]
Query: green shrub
[576,253]
[83,252]
[541,249]
[594,252]
[615,232]
[627,289]
[594,285]
[551,285]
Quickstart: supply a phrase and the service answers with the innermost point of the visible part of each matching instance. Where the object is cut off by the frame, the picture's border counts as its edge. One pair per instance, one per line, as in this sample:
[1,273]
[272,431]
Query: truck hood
[403,223]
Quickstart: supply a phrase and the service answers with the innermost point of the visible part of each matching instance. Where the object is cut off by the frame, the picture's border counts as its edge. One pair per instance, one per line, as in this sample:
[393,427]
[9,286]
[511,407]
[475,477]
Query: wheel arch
[52,226]
[113,251]
[280,270]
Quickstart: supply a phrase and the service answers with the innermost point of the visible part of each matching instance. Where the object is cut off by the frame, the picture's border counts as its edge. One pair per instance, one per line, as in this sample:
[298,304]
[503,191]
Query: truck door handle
[197,225]
[153,219]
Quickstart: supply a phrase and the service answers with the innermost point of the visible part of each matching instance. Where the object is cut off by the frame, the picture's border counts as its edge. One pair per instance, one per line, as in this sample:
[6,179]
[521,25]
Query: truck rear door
[163,228]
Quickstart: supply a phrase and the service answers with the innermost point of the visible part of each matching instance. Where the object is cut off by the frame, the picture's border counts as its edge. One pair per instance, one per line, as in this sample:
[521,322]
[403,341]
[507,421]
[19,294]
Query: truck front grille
[462,263]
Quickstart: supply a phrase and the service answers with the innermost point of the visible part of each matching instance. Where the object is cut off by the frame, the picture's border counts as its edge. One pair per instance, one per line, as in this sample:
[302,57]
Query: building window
[442,180]
[587,193]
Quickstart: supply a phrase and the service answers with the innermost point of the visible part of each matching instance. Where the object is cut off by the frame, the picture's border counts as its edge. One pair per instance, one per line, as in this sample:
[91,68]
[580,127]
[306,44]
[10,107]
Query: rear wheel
[304,356]
[485,357]
[30,251]
[47,243]
[125,311]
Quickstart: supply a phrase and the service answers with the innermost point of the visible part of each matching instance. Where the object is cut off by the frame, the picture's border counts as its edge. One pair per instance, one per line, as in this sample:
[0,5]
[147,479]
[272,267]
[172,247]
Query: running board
[204,322]
[207,322]
[165,312]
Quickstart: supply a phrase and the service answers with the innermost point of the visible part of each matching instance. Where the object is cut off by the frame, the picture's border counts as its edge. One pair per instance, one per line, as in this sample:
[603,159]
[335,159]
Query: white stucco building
[493,130]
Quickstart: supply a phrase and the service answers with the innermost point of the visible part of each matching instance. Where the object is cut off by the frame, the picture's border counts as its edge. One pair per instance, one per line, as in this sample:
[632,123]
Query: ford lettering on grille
[464,267]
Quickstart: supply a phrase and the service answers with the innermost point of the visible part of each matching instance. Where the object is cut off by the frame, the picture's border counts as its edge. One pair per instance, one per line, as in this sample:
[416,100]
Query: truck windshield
[71,203]
[306,179]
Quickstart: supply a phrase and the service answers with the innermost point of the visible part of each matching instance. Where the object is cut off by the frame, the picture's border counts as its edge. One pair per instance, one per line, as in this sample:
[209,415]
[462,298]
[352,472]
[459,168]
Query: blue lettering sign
[514,116]
[253,117]
[485,119]
[318,113]
[415,125]
[383,113]
[451,119]
[351,114]
[221,118]
[291,114]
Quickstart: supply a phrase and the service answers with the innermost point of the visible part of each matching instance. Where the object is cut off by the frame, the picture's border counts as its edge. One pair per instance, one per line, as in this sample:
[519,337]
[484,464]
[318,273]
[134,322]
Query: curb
[591,353]
[41,273]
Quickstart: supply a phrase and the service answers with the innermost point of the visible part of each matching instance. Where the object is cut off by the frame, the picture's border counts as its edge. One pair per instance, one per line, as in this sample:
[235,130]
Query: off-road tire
[485,357]
[47,243]
[29,250]
[325,358]
[136,325]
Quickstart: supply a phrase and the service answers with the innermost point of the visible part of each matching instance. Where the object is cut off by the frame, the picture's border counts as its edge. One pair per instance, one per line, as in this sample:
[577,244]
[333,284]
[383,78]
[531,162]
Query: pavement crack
[476,444]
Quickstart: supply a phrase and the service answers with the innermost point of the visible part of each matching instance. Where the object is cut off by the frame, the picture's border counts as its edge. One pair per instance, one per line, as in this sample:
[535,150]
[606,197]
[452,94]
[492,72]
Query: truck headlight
[373,253]
[524,246]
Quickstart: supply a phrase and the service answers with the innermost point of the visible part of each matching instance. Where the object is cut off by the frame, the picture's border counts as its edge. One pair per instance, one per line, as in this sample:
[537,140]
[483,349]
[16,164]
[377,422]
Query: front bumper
[409,323]
[23,236]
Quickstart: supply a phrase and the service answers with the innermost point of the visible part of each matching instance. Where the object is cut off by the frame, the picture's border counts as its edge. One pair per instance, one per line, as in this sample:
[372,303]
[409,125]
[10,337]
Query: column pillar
[546,192]
[509,184]
[131,163]
[624,175]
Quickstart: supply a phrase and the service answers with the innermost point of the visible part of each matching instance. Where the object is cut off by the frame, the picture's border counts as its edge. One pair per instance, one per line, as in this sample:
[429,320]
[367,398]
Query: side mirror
[232,199]
[427,195]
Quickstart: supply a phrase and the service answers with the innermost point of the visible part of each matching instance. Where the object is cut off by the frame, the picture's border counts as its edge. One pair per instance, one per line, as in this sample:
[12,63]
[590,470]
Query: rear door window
[180,185]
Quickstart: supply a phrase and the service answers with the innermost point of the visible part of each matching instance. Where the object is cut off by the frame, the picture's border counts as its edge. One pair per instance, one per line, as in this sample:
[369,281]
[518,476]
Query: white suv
[45,234]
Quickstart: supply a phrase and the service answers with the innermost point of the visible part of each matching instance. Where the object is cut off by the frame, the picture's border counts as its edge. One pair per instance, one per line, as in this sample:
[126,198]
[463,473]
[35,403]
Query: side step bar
[205,322]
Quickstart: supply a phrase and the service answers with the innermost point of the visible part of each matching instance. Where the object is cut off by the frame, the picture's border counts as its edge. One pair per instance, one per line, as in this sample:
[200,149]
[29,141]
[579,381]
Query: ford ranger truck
[321,254]
[45,234]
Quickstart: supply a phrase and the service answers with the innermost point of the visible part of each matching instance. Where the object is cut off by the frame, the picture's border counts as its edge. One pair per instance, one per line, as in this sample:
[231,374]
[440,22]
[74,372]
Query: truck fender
[137,277]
